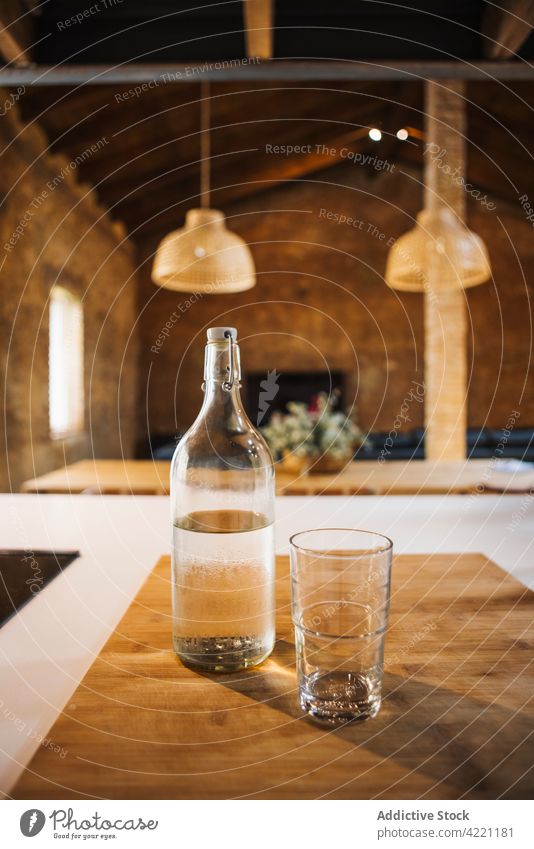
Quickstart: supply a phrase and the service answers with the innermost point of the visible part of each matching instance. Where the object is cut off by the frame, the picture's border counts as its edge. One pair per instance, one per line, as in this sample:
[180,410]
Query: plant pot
[291,464]
[328,465]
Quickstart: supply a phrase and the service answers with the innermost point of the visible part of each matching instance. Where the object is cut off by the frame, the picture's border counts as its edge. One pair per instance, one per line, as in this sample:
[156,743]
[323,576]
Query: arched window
[66,396]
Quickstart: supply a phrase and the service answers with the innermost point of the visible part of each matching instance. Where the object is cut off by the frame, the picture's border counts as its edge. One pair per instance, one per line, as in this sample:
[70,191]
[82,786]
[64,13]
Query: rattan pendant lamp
[204,257]
[439,246]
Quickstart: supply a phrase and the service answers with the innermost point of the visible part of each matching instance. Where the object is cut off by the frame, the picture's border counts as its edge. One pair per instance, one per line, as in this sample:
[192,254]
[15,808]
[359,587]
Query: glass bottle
[222,497]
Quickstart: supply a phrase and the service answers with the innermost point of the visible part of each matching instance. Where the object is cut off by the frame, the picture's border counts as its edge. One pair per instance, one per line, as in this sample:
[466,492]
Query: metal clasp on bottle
[229,382]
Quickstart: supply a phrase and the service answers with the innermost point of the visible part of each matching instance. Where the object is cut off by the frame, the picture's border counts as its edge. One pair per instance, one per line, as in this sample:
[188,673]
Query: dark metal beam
[244,70]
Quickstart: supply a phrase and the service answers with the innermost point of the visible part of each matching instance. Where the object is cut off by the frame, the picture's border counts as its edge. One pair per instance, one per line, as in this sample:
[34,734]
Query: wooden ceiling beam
[258,15]
[506,28]
[16,33]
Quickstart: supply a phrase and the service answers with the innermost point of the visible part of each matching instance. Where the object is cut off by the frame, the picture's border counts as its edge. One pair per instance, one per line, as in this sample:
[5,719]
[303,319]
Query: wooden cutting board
[455,721]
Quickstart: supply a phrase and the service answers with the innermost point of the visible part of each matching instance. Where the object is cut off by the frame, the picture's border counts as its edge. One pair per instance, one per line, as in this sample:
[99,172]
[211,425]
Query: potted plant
[314,437]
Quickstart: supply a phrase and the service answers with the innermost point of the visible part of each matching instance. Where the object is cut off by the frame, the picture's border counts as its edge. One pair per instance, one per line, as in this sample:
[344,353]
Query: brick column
[445,357]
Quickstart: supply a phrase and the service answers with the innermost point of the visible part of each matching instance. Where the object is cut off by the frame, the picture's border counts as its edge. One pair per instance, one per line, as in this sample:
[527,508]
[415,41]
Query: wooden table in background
[109,477]
[366,477]
[394,477]
[455,722]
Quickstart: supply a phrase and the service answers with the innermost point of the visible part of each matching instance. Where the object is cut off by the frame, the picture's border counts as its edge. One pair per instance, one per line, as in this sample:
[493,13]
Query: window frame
[70,360]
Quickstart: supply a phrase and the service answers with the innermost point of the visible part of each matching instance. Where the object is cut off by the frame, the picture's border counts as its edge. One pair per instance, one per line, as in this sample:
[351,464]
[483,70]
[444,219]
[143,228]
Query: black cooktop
[24,574]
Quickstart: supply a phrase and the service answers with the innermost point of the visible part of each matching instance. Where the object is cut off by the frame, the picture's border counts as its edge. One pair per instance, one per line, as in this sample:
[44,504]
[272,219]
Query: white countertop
[46,649]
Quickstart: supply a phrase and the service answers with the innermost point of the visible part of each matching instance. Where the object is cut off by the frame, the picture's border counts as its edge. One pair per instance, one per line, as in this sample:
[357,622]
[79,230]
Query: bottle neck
[222,381]
[222,363]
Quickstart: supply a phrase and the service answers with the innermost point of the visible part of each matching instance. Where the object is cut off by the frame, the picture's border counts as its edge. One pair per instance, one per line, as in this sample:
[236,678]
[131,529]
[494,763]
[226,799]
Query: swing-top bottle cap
[220,334]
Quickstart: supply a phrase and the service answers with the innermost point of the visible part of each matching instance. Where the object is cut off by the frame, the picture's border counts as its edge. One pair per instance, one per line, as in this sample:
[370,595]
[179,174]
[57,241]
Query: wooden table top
[112,477]
[455,720]
[395,477]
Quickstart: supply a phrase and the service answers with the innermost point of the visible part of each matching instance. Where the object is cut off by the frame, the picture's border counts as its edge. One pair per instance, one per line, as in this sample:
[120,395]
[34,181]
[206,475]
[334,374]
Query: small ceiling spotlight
[375,134]
[402,134]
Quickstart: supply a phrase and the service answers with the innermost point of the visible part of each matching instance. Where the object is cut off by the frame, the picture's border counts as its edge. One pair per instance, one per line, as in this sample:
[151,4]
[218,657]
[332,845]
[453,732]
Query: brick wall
[64,237]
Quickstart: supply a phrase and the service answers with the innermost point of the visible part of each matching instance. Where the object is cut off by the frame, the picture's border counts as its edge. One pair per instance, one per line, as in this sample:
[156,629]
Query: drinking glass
[340,587]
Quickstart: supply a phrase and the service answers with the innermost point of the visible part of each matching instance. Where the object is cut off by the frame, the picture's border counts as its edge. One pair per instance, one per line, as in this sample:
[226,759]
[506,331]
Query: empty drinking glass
[340,585]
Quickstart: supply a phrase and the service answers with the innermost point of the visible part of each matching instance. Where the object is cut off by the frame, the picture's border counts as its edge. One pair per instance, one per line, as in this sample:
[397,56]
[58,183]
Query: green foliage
[313,431]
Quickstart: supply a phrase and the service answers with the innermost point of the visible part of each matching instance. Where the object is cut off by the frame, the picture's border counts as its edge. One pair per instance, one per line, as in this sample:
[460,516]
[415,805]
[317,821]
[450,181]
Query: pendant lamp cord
[204,145]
